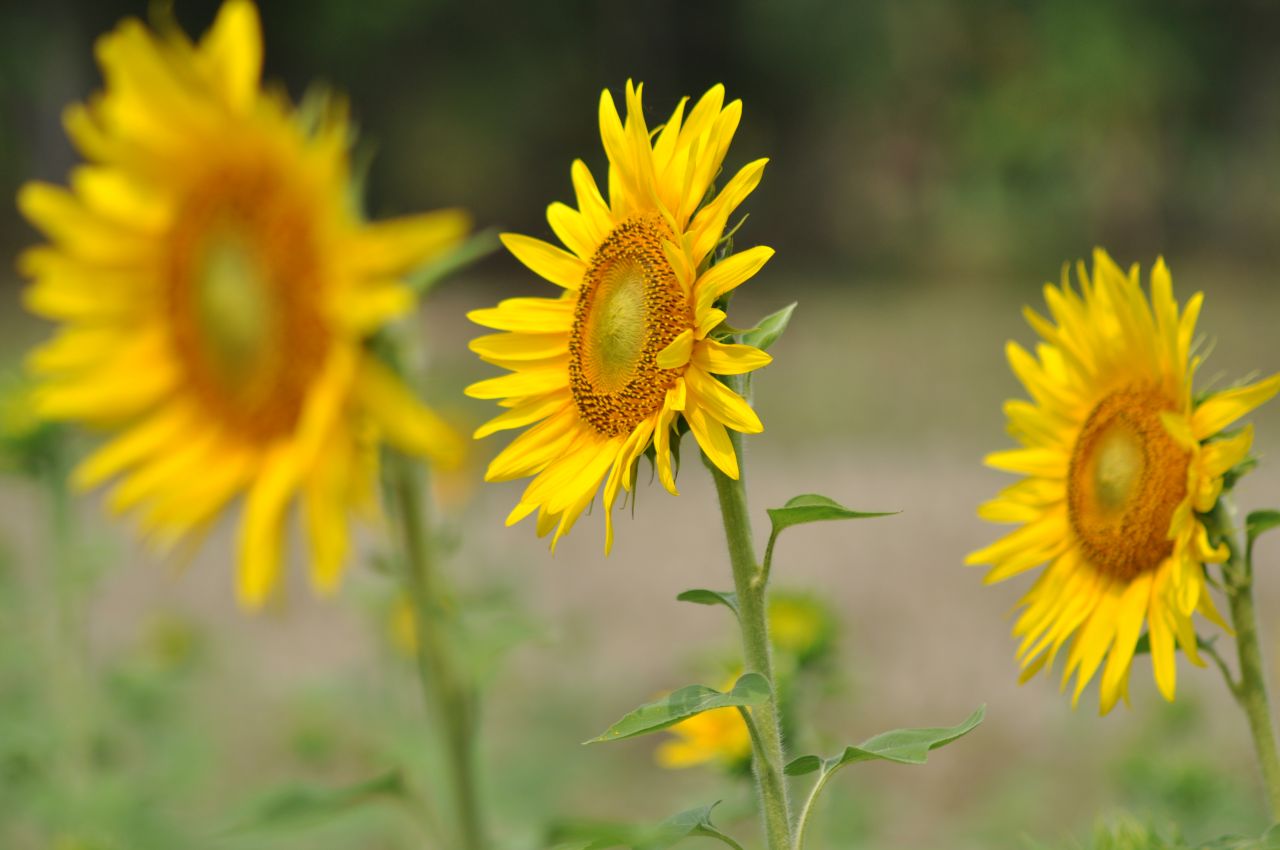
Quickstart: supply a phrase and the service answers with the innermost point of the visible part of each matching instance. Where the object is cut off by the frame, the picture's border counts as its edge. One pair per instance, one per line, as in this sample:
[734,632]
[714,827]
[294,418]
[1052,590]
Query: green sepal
[751,689]
[904,746]
[769,328]
[1255,524]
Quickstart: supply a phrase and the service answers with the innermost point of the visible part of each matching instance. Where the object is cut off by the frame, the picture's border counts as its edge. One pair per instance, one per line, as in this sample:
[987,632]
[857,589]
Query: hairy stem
[751,589]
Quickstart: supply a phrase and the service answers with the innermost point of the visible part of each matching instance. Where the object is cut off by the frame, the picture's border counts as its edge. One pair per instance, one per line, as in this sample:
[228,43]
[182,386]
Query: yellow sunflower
[605,369]
[1120,460]
[215,290]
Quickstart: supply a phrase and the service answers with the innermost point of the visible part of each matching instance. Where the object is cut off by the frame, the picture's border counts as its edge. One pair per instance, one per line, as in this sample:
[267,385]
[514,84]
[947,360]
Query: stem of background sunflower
[1251,690]
[751,589]
[449,696]
[70,670]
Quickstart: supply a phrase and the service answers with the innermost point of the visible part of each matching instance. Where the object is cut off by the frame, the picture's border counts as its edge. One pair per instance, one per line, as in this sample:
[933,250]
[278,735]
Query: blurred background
[932,163]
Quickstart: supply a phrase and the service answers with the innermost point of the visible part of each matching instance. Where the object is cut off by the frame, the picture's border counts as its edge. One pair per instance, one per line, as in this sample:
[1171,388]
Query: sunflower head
[215,290]
[1120,460]
[629,348]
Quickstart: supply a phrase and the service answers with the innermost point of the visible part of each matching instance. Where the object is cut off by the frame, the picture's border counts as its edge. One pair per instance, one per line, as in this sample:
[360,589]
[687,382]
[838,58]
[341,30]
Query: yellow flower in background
[604,370]
[1119,459]
[215,289]
[800,625]
[719,736]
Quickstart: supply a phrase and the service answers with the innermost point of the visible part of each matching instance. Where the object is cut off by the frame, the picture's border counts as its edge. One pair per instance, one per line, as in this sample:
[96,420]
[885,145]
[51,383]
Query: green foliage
[299,805]
[904,746]
[770,328]
[750,689]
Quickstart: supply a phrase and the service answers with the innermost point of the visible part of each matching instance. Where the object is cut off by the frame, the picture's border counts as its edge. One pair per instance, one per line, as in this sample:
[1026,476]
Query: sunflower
[605,370]
[1120,462]
[215,291]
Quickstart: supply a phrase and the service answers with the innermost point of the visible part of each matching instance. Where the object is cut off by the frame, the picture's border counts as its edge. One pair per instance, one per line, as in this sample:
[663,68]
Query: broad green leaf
[1257,523]
[771,327]
[904,746]
[701,596]
[811,507]
[297,805]
[751,689]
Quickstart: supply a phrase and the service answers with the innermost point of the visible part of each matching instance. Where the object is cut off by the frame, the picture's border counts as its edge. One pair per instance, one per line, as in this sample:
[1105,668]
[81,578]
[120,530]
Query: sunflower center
[233,310]
[630,307]
[1126,479]
[244,293]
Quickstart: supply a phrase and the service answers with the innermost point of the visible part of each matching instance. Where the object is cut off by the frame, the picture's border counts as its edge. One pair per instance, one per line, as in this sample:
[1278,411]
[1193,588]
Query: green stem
[802,823]
[445,687]
[70,669]
[751,589]
[1251,690]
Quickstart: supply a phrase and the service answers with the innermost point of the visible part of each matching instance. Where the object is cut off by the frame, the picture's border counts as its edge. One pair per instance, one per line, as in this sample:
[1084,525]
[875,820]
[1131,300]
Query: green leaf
[802,765]
[684,825]
[771,327]
[701,596]
[811,507]
[1257,523]
[904,746]
[297,805]
[751,689]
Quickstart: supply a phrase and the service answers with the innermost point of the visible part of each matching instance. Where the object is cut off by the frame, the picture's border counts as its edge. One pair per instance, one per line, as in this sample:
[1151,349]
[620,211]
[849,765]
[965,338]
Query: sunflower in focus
[1120,460]
[215,291]
[605,370]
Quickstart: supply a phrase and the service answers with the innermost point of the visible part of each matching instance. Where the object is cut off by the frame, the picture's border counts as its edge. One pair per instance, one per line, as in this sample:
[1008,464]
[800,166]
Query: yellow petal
[728,359]
[530,315]
[400,245]
[403,420]
[262,528]
[676,354]
[1220,410]
[721,402]
[547,261]
[232,51]
[713,440]
[729,273]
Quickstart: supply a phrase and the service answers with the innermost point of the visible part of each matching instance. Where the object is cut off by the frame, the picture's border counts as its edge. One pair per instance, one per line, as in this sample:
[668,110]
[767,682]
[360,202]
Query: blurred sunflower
[216,289]
[603,371]
[1120,460]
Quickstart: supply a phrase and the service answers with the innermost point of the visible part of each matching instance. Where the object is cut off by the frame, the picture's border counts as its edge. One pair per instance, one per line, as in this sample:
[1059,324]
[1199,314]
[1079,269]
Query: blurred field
[884,402]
